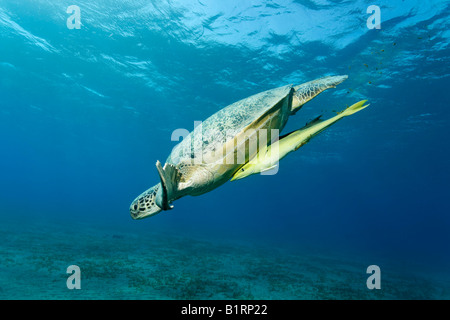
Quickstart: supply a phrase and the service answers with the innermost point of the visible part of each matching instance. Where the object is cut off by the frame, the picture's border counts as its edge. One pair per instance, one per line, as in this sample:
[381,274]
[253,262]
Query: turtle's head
[246,170]
[144,205]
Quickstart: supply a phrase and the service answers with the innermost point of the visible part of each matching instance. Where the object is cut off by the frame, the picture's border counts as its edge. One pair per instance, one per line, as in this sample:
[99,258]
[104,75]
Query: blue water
[85,113]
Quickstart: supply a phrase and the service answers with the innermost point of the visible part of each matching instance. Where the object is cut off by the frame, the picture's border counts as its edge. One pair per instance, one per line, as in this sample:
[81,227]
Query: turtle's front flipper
[170,177]
[307,91]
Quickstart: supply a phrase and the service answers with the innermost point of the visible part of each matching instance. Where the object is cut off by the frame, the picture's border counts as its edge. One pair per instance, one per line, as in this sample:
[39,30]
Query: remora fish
[268,158]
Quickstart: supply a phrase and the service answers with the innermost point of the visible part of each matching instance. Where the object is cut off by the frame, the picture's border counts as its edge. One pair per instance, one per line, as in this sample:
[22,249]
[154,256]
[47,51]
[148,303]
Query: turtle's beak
[144,206]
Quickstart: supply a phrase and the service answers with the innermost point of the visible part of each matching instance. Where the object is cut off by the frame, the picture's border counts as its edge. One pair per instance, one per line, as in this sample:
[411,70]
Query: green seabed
[125,265]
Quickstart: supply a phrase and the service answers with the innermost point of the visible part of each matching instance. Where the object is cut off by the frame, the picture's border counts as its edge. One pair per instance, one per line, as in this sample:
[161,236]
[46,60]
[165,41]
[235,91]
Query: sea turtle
[212,153]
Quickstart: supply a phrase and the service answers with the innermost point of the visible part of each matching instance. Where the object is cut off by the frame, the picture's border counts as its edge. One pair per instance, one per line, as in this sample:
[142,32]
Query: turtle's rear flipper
[169,176]
[306,91]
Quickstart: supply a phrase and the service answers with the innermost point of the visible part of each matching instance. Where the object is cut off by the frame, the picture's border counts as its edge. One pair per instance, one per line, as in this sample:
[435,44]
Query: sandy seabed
[125,265]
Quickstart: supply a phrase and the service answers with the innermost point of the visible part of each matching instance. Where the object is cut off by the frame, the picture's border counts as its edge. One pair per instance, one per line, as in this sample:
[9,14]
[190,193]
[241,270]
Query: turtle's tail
[307,91]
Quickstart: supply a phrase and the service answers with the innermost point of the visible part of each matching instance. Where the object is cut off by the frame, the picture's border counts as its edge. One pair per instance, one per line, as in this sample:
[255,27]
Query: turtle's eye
[242,169]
